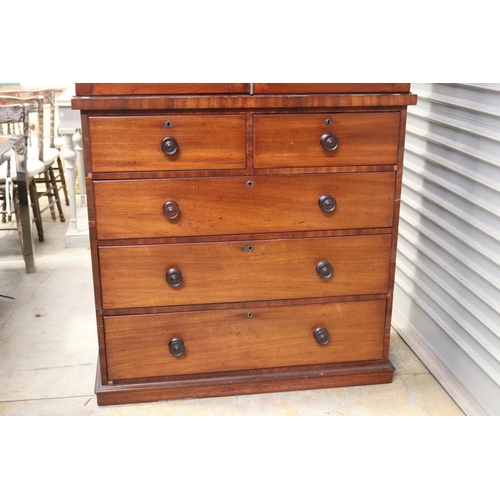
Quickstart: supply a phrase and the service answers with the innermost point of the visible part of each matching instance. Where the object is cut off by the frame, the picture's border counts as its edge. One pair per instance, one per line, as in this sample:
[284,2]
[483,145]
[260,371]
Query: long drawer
[240,271]
[192,142]
[231,205]
[242,339]
[282,141]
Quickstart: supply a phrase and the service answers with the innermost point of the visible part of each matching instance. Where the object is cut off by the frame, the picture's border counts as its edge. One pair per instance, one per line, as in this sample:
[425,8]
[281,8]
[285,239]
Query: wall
[447,295]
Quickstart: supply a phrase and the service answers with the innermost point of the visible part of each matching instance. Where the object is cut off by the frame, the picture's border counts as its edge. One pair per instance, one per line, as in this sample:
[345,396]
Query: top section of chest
[230,128]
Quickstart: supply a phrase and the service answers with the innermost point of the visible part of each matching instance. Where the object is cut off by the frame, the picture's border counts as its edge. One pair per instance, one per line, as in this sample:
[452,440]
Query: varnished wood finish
[293,379]
[137,346]
[273,204]
[134,143]
[134,276]
[329,88]
[241,248]
[294,140]
[141,89]
[242,102]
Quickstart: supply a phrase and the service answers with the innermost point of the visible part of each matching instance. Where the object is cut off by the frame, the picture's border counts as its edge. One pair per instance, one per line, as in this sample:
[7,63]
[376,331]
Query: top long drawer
[234,205]
[167,143]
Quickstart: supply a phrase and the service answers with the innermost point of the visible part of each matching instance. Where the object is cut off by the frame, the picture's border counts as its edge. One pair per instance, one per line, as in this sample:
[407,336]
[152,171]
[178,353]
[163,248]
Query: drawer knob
[169,145]
[327,203]
[321,335]
[329,142]
[176,347]
[171,210]
[324,269]
[174,277]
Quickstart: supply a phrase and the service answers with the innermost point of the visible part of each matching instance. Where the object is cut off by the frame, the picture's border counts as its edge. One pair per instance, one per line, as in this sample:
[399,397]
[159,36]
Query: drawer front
[204,142]
[295,140]
[211,206]
[240,271]
[216,341]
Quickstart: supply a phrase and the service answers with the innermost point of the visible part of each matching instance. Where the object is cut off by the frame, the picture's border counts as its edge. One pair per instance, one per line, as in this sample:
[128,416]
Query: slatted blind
[447,295]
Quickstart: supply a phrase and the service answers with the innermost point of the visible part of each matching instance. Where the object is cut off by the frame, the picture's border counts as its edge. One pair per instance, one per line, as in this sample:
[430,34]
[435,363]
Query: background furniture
[20,197]
[50,141]
[77,234]
[243,236]
[40,164]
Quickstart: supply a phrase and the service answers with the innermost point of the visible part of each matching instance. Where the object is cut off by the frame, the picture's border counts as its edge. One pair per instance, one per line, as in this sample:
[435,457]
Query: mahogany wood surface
[135,276]
[113,89]
[134,143]
[294,140]
[293,379]
[242,248]
[329,88]
[250,305]
[225,205]
[137,346]
[242,102]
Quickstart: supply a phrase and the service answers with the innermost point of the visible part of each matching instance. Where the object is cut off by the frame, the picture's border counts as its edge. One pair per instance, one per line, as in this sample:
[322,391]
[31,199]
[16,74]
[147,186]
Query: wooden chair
[14,120]
[55,142]
[39,154]
[50,141]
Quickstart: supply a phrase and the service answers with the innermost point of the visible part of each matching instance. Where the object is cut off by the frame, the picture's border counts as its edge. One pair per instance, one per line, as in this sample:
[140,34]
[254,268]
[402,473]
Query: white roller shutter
[447,294]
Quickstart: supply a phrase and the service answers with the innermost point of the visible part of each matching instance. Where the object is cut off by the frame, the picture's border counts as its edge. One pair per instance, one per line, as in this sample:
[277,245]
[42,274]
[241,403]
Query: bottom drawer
[243,339]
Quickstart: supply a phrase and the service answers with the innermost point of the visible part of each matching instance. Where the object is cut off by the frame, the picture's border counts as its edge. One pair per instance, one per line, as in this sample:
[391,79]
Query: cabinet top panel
[155,89]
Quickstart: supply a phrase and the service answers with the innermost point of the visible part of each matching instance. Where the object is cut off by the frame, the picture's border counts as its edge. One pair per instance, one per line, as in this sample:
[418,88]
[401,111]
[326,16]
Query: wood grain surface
[142,89]
[329,88]
[137,346]
[247,178]
[135,276]
[294,140]
[134,143]
[227,205]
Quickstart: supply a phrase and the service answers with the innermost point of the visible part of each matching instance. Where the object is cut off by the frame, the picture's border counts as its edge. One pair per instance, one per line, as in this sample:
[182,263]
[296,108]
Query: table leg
[24,209]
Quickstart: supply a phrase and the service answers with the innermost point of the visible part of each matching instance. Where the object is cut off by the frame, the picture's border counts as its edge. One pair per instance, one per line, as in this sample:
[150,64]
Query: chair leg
[63,180]
[35,204]
[56,193]
[49,193]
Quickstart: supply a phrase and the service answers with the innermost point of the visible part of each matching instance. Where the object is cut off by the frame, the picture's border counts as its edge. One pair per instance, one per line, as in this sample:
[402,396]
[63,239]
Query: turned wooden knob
[171,210]
[169,145]
[174,277]
[327,203]
[324,269]
[329,142]
[176,347]
[321,335]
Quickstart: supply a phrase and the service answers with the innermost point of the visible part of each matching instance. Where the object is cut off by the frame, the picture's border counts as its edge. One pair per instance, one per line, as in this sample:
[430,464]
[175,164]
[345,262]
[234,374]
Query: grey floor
[48,352]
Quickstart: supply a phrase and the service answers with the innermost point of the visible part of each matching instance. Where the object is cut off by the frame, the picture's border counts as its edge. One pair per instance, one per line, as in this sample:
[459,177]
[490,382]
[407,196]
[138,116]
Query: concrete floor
[48,352]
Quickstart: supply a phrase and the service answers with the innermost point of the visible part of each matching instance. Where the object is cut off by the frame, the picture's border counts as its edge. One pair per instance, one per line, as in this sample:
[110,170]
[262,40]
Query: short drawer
[191,142]
[295,140]
[232,205]
[240,271]
[243,339]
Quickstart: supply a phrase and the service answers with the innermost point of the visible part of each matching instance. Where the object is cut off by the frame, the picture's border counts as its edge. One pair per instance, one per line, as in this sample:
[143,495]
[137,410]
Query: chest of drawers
[243,236]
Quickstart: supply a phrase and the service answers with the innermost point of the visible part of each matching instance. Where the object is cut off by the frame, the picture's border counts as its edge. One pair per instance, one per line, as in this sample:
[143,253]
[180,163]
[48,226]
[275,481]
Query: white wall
[447,295]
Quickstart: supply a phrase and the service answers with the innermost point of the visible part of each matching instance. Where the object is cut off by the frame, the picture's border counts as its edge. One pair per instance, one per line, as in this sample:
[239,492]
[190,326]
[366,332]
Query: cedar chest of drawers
[243,236]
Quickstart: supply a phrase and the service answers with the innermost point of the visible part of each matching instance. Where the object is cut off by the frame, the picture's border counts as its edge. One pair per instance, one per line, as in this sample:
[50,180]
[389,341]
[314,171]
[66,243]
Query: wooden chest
[243,236]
